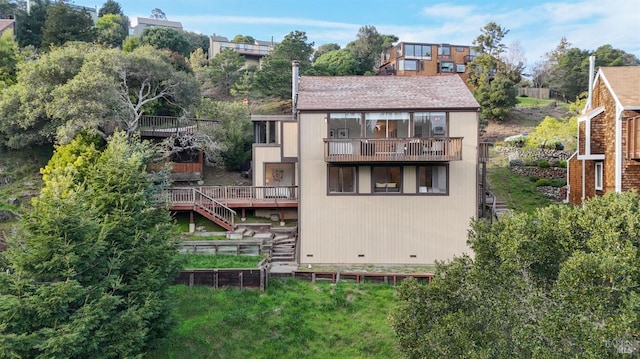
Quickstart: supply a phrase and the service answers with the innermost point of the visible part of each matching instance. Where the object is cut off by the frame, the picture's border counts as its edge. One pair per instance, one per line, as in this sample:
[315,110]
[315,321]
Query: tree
[90,269]
[225,70]
[8,59]
[110,30]
[274,77]
[196,41]
[110,7]
[158,14]
[229,144]
[29,26]
[131,43]
[323,49]
[242,39]
[368,47]
[165,38]
[8,9]
[561,282]
[337,63]
[491,79]
[64,23]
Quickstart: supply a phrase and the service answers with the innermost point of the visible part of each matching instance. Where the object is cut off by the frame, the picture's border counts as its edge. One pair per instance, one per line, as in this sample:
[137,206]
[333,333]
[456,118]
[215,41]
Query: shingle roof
[624,82]
[159,22]
[384,92]
[6,24]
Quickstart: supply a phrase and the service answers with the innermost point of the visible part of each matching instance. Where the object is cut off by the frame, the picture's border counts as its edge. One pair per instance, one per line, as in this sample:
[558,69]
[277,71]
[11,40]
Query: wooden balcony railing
[226,194]
[165,126]
[393,149]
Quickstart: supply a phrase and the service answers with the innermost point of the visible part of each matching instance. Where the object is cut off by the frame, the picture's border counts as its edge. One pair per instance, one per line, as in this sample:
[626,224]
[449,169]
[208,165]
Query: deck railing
[393,149]
[223,194]
[167,125]
[215,208]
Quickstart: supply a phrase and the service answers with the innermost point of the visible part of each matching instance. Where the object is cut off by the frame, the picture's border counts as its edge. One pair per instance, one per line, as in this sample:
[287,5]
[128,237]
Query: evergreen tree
[89,270]
[29,26]
[64,23]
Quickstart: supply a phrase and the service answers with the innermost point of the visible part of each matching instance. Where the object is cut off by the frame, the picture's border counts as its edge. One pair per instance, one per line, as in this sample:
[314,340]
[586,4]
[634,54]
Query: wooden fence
[361,277]
[535,92]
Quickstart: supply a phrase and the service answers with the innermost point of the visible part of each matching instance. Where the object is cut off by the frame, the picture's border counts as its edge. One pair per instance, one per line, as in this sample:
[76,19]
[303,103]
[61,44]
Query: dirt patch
[520,120]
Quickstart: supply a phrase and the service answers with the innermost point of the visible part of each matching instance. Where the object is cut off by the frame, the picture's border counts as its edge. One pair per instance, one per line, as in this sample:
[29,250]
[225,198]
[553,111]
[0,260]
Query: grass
[517,192]
[531,102]
[182,220]
[201,261]
[292,319]
[221,237]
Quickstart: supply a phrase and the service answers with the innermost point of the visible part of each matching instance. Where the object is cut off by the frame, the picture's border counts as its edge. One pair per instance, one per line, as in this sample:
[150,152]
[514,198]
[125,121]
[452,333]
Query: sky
[535,27]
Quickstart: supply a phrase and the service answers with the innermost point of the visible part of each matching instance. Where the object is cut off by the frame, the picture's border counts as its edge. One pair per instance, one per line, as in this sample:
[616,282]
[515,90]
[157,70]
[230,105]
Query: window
[344,125]
[433,179]
[460,67]
[459,49]
[264,132]
[342,179]
[598,173]
[411,65]
[446,67]
[633,142]
[430,124]
[386,179]
[444,51]
[387,124]
[417,51]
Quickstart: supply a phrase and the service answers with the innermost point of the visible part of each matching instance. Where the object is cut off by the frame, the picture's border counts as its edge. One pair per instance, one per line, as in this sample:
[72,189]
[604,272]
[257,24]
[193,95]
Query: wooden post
[192,223]
[241,275]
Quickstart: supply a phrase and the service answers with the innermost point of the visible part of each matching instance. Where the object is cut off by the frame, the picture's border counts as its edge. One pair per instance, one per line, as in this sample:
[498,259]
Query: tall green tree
[90,268]
[64,23]
[110,7]
[111,30]
[225,70]
[492,81]
[559,283]
[336,63]
[29,26]
[274,77]
[165,38]
[243,39]
[196,41]
[368,47]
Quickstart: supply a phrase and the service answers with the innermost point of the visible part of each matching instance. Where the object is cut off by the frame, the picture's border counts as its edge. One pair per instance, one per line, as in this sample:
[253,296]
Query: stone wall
[535,154]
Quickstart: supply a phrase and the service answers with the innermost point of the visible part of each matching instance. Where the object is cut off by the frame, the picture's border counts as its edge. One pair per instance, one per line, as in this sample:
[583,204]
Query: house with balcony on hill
[426,59]
[608,154]
[387,168]
[252,53]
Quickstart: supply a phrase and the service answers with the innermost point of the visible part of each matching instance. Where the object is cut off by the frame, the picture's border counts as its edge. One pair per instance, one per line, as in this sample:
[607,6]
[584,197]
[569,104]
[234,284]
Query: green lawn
[292,319]
[196,261]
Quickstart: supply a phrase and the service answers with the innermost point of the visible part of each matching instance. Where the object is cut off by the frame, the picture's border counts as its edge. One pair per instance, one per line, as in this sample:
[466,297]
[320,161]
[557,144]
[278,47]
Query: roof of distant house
[624,82]
[5,24]
[384,92]
[158,22]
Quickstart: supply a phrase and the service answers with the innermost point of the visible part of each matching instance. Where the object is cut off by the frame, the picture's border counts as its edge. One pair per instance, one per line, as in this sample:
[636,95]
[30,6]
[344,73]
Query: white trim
[591,157]
[598,175]
[591,114]
[618,148]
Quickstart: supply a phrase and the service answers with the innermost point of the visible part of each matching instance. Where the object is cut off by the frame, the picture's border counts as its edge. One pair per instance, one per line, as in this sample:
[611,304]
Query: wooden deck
[217,203]
[393,149]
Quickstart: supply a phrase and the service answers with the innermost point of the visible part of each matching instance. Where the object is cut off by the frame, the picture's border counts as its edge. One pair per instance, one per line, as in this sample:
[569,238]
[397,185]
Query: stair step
[263,236]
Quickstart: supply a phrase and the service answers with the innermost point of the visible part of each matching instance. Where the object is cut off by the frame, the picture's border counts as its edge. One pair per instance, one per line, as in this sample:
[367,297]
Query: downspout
[592,69]
[618,149]
[295,81]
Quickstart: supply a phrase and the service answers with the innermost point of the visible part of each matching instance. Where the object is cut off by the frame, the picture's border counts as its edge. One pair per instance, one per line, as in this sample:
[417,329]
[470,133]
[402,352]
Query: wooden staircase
[214,210]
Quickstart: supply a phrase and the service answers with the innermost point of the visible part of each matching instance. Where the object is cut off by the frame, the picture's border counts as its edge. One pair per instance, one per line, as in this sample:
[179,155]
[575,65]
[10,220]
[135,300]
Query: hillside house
[387,168]
[608,154]
[424,59]
[252,53]
[141,23]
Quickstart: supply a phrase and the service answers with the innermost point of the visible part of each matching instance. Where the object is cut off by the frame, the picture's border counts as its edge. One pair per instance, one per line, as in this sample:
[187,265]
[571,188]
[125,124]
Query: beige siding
[384,229]
[263,154]
[289,139]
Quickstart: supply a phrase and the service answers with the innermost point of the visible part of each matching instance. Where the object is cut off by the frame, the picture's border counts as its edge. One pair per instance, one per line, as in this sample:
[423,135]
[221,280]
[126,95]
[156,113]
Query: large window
[444,50]
[344,125]
[386,179]
[342,179]
[430,124]
[446,66]
[418,51]
[387,124]
[598,174]
[408,65]
[433,179]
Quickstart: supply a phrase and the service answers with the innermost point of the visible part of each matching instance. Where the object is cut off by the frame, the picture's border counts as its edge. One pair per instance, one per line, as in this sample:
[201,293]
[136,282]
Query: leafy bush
[552,182]
[544,164]
[562,163]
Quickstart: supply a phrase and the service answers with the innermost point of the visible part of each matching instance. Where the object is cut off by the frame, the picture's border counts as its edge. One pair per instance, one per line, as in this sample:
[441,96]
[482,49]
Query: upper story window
[264,132]
[416,50]
[633,135]
[344,125]
[408,65]
[444,50]
[459,48]
[598,174]
[387,124]
[430,124]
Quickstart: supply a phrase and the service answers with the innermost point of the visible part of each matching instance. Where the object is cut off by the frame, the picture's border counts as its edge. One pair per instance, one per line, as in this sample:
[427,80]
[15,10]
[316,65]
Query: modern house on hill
[142,23]
[253,53]
[387,168]
[424,59]
[608,155]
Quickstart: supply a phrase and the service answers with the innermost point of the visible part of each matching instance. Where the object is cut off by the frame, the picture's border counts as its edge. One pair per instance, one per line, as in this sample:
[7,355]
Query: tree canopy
[64,23]
[165,38]
[368,46]
[562,282]
[111,30]
[89,270]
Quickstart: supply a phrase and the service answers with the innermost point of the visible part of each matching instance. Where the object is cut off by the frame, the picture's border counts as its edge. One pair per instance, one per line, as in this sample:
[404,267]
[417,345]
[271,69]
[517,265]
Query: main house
[608,155]
[386,166]
[420,59]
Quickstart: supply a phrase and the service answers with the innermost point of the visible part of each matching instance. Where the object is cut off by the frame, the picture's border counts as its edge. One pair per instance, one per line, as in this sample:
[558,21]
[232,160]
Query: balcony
[354,150]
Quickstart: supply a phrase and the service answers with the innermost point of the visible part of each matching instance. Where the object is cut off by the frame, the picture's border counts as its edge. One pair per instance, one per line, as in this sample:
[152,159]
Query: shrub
[562,163]
[552,182]
[543,164]
[516,162]
[543,182]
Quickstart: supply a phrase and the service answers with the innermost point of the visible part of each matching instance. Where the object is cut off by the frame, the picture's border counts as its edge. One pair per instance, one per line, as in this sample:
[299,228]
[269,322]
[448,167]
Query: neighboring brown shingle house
[608,155]
[7,25]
